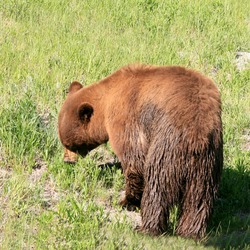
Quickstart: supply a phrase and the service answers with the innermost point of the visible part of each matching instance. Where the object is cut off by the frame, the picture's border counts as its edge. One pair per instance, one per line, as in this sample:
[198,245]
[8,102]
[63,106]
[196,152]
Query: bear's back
[166,98]
[180,92]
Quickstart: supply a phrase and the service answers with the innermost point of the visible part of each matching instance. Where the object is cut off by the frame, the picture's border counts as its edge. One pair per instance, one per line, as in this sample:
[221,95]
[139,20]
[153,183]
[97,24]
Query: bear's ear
[74,86]
[85,112]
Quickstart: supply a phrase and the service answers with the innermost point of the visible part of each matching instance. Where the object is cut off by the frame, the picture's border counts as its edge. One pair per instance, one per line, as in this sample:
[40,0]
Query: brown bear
[164,124]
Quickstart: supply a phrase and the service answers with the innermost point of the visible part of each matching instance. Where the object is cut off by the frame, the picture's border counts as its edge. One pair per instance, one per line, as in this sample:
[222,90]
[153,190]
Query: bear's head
[74,124]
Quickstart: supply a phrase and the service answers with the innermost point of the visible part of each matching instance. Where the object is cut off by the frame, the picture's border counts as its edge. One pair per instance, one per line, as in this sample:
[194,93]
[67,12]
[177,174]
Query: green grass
[44,45]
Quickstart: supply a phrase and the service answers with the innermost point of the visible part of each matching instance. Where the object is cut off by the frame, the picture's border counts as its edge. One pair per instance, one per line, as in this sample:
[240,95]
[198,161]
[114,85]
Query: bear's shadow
[229,226]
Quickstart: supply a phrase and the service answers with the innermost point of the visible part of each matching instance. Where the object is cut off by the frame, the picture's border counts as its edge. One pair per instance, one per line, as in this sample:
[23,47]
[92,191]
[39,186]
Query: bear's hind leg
[198,197]
[195,212]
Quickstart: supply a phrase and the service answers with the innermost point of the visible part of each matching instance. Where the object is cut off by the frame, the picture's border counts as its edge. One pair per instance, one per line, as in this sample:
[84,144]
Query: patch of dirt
[50,195]
[242,60]
[45,117]
[246,139]
[38,170]
[117,214]
[5,174]
[133,217]
[5,171]
[2,157]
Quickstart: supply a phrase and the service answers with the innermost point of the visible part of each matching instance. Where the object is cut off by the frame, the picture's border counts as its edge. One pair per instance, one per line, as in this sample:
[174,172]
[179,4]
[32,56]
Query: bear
[164,124]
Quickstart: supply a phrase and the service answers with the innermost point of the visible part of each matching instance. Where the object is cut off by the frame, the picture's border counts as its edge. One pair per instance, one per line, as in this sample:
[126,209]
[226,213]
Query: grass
[44,45]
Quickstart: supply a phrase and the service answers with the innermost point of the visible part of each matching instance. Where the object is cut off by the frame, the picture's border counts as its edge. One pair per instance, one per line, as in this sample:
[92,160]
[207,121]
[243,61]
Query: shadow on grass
[230,224]
[108,165]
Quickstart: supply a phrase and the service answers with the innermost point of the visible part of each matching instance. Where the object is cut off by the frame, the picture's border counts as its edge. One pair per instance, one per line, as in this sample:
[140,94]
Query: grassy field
[44,45]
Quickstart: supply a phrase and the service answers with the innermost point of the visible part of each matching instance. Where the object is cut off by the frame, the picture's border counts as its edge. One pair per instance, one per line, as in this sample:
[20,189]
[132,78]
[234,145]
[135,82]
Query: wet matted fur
[164,124]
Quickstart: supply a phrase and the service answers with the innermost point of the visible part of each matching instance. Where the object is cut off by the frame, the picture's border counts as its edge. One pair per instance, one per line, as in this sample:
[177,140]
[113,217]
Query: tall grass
[44,45]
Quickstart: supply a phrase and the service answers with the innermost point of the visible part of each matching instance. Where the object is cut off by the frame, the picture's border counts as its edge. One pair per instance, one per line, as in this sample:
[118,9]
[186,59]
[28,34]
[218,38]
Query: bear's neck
[100,95]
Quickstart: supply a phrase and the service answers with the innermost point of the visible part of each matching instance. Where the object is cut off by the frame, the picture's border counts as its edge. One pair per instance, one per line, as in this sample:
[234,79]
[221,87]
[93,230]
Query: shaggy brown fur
[164,124]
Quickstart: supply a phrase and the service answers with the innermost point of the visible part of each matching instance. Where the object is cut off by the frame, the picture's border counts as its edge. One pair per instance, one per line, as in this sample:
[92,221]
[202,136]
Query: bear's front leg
[69,156]
[134,190]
